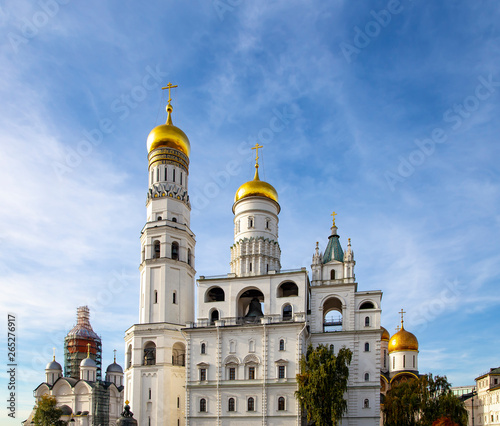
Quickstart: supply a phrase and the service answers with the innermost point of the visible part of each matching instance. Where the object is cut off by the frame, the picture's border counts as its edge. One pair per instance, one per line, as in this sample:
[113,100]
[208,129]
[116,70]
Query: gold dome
[385,334]
[403,341]
[256,188]
[168,136]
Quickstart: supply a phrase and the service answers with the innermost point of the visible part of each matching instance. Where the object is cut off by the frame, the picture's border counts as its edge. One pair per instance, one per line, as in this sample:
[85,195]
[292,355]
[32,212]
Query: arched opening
[332,274]
[156,249]
[250,305]
[367,377]
[367,321]
[288,289]
[175,250]
[367,305]
[281,403]
[366,403]
[250,404]
[282,344]
[149,354]
[129,356]
[367,347]
[203,401]
[156,296]
[332,315]
[215,294]
[230,404]
[179,354]
[174,297]
[158,218]
[174,219]
[203,348]
[189,256]
[214,316]
[287,312]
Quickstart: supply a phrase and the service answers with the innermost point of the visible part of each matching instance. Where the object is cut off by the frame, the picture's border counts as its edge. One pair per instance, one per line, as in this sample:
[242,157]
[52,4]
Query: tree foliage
[47,413]
[423,402]
[322,384]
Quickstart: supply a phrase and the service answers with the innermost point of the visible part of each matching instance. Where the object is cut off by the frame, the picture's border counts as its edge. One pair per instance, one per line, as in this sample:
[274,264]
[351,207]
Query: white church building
[237,362]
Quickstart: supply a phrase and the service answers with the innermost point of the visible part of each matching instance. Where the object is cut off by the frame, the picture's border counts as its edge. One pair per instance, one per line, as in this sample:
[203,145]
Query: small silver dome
[88,362]
[114,368]
[53,365]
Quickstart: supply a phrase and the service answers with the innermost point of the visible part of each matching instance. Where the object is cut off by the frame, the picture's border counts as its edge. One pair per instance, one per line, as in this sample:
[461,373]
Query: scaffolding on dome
[76,345]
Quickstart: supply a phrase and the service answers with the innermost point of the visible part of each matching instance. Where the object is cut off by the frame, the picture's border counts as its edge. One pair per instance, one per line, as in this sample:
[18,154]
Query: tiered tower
[255,250]
[76,346]
[155,348]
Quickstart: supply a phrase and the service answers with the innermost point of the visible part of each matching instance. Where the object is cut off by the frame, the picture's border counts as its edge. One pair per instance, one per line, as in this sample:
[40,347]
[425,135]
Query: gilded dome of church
[403,341]
[168,136]
[256,188]
[385,334]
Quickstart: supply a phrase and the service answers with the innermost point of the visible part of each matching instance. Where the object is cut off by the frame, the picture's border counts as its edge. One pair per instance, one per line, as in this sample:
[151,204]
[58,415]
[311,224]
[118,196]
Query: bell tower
[155,347]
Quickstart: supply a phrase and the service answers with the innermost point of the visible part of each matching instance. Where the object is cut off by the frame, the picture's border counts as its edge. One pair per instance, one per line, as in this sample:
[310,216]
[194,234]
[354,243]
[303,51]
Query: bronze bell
[254,311]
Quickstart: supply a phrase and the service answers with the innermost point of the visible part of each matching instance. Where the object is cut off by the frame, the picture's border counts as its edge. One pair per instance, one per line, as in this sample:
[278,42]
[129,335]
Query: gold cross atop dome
[402,316]
[334,214]
[54,349]
[256,147]
[114,355]
[169,86]
[88,350]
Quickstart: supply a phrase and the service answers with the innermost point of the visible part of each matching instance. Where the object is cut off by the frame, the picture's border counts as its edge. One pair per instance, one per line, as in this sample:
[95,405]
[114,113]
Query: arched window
[367,321]
[414,366]
[250,222]
[178,402]
[394,362]
[367,347]
[215,294]
[175,250]
[156,249]
[179,354]
[174,219]
[158,218]
[174,298]
[385,358]
[332,274]
[367,377]
[230,404]
[251,404]
[165,173]
[281,403]
[156,296]
[203,401]
[282,345]
[173,175]
[404,361]
[214,316]
[181,178]
[129,356]
[150,354]
[189,256]
[367,305]
[366,403]
[287,313]
[288,289]
[203,348]
[250,267]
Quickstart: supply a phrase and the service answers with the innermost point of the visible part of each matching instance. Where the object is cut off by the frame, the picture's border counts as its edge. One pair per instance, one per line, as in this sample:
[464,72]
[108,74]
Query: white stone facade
[488,399]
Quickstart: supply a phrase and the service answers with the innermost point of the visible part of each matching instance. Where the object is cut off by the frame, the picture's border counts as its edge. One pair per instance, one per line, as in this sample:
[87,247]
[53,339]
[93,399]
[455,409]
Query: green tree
[47,413]
[322,384]
[423,401]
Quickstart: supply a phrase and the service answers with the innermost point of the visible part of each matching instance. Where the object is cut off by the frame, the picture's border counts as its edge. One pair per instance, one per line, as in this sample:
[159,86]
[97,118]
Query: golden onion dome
[256,188]
[168,136]
[385,334]
[403,341]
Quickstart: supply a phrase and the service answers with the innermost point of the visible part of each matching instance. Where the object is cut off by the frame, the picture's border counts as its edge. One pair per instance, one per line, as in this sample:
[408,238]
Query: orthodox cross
[256,147]
[114,352]
[402,313]
[54,349]
[169,86]
[334,214]
[88,350]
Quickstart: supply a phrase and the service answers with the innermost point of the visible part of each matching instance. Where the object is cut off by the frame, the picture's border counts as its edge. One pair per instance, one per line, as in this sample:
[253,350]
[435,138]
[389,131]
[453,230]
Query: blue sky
[382,111]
